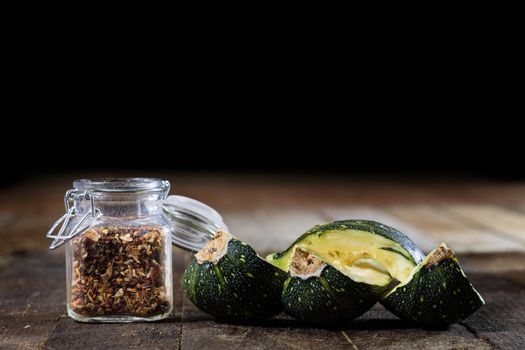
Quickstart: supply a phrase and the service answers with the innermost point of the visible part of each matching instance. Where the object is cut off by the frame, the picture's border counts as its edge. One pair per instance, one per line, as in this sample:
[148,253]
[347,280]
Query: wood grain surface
[484,222]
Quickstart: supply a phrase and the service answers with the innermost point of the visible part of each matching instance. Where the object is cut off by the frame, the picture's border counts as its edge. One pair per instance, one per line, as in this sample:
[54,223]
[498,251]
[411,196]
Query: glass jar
[118,235]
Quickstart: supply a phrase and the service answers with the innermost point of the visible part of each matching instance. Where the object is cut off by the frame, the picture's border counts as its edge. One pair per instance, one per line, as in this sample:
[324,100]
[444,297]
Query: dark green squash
[396,241]
[318,293]
[367,251]
[228,280]
[437,293]
[356,261]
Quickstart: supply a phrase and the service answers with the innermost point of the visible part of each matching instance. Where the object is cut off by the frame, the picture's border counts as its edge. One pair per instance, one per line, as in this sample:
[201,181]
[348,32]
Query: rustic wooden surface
[484,222]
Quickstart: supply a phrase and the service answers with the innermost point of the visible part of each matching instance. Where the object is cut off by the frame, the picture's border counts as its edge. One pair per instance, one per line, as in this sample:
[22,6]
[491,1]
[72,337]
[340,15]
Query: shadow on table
[283,321]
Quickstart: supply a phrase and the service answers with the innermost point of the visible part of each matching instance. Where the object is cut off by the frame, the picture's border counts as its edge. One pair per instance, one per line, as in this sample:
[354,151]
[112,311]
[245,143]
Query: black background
[424,111]
[320,146]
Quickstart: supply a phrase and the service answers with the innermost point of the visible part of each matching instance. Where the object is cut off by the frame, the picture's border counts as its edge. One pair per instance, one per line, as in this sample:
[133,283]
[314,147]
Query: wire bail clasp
[64,235]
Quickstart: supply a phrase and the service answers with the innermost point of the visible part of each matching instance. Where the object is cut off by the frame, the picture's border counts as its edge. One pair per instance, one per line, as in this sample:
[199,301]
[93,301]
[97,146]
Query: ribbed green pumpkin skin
[334,297]
[329,298]
[435,296]
[416,255]
[243,287]
[240,287]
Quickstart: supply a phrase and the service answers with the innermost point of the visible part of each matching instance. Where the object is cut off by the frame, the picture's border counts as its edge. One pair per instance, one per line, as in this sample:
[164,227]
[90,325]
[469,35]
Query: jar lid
[122,184]
[192,222]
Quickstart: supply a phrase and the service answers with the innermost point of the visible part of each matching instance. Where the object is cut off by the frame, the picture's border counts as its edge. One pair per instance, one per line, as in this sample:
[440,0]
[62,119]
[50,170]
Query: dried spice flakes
[119,271]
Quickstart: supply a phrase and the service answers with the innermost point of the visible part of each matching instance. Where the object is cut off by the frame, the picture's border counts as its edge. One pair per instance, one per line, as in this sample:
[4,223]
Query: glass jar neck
[191,222]
[125,204]
[120,197]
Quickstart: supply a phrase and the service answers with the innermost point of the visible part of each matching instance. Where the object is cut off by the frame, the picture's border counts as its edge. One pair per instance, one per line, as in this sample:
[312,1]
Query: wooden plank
[269,215]
[70,334]
[518,206]
[376,329]
[499,193]
[6,217]
[159,335]
[32,300]
[379,329]
[501,221]
[26,224]
[502,320]
[201,331]
[438,223]
[492,262]
[270,230]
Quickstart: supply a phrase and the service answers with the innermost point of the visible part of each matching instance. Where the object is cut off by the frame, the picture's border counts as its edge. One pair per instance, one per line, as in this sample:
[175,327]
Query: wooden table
[484,222]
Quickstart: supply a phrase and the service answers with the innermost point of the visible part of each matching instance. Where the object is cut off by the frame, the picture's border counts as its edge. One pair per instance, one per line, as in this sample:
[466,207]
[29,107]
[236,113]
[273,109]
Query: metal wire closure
[62,237]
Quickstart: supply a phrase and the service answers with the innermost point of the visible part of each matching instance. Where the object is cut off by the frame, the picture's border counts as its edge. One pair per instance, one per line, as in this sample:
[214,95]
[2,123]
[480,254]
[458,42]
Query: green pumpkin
[228,280]
[345,244]
[437,293]
[356,262]
[318,293]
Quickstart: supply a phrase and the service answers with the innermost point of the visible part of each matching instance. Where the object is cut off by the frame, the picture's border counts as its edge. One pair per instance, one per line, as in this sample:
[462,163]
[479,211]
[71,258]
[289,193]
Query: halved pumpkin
[341,269]
[318,293]
[366,251]
[228,280]
[437,292]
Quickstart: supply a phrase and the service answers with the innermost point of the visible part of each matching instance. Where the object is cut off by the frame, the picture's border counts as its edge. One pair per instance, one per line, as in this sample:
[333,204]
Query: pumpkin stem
[215,248]
[439,254]
[305,265]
